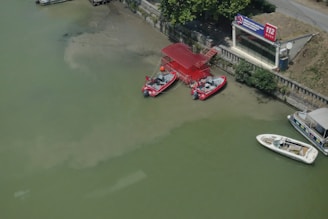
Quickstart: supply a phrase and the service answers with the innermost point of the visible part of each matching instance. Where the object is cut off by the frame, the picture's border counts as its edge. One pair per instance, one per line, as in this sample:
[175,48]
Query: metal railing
[294,89]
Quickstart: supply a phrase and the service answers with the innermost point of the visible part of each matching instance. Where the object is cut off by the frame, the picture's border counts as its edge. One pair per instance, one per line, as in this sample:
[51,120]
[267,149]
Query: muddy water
[78,140]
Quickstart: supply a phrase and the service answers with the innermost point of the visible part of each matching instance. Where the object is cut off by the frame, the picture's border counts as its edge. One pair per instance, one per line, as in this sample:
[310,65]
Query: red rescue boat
[208,86]
[159,82]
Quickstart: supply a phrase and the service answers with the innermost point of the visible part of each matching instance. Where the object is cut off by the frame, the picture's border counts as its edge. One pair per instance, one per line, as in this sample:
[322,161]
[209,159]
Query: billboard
[268,31]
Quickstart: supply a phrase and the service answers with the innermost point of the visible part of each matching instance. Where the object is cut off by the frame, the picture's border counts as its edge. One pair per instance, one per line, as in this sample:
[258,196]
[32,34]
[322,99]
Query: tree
[229,8]
[179,11]
[182,11]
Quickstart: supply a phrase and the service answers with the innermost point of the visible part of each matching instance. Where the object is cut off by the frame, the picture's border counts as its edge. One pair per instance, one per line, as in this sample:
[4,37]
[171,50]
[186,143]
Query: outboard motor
[195,95]
[146,93]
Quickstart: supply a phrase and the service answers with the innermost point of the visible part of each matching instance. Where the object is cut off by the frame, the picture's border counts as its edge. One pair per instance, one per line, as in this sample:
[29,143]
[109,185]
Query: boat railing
[304,120]
[315,137]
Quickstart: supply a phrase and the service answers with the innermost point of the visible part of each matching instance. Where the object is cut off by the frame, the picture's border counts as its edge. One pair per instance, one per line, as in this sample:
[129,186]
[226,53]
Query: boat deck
[289,146]
[308,123]
[296,149]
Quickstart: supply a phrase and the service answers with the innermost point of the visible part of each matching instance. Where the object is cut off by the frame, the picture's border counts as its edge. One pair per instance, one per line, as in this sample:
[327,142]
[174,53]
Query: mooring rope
[157,68]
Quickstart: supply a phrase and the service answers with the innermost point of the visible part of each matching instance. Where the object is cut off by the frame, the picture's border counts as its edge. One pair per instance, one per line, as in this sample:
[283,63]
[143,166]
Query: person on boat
[159,79]
[151,81]
[194,84]
[201,83]
[209,80]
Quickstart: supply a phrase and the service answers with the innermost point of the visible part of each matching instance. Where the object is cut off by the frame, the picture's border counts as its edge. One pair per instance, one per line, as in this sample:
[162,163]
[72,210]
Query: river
[79,140]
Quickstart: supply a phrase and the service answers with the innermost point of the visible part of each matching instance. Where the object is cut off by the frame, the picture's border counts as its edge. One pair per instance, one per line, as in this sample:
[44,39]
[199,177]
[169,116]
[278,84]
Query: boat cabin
[188,66]
[318,120]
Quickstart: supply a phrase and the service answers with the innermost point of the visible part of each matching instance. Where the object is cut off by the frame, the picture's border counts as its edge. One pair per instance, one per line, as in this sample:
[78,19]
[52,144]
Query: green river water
[79,141]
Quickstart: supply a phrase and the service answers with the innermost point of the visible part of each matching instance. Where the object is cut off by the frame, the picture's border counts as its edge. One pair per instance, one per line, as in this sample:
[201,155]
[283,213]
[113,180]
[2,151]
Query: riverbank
[301,92]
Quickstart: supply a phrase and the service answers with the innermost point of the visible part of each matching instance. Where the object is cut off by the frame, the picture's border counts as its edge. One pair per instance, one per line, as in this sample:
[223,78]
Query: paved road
[298,11]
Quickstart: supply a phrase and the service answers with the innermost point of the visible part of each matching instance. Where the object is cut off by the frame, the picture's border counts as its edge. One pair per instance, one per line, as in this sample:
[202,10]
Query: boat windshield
[277,143]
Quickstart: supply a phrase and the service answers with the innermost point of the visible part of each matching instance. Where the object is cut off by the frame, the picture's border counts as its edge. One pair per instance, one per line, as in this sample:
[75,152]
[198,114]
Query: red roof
[182,54]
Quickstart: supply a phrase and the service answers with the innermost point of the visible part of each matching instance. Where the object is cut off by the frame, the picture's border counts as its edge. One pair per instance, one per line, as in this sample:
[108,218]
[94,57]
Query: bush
[268,7]
[243,73]
[258,7]
[264,81]
[259,78]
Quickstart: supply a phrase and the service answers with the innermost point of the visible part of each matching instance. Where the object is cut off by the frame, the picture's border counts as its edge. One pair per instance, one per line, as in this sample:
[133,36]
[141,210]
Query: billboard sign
[250,24]
[268,31]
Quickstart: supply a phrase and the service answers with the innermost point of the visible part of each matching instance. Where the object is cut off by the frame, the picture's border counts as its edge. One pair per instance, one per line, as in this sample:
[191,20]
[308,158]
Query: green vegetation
[181,12]
[133,5]
[283,90]
[323,1]
[258,7]
[243,73]
[259,78]
[264,81]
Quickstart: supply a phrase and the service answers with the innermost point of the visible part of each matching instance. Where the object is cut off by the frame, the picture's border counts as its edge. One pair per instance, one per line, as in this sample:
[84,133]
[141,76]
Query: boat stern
[146,91]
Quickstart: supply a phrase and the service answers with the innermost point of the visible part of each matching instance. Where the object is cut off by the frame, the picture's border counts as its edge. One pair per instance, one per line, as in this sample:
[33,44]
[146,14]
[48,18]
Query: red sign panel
[270,32]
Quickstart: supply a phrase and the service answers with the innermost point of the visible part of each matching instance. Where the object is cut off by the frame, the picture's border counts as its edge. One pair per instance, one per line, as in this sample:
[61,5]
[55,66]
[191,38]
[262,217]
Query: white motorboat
[313,125]
[289,147]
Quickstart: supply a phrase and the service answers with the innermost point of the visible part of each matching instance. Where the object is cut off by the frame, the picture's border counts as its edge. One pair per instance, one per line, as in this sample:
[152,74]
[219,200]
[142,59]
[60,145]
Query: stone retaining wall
[291,91]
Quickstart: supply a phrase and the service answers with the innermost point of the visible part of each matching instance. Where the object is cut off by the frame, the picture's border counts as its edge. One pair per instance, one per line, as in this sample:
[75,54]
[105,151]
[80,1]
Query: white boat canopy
[320,116]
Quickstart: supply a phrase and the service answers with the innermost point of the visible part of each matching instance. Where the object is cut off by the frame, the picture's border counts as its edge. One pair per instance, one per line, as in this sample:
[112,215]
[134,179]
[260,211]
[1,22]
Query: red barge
[181,63]
[189,67]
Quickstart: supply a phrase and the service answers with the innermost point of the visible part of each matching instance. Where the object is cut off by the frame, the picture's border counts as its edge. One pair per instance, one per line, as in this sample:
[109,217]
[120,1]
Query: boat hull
[203,89]
[289,147]
[155,86]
